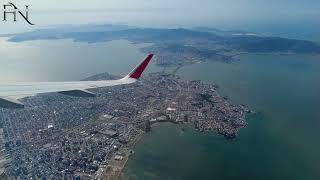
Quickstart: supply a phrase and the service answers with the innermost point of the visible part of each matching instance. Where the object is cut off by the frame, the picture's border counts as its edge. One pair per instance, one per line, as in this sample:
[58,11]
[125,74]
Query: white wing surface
[72,88]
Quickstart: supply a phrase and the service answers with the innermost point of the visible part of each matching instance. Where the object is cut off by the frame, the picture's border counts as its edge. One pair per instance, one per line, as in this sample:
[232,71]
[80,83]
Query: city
[58,136]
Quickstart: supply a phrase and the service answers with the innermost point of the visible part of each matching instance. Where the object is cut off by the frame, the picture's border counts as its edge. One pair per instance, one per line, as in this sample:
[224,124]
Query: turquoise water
[280,143]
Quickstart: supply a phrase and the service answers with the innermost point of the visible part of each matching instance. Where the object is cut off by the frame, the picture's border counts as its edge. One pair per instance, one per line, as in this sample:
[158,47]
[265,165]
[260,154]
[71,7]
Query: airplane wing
[71,88]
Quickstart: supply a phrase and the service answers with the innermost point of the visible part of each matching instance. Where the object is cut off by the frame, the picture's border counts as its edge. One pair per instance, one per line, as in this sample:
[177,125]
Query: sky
[229,14]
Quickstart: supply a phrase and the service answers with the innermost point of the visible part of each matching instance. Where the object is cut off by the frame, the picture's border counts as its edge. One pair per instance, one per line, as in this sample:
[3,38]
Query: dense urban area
[62,137]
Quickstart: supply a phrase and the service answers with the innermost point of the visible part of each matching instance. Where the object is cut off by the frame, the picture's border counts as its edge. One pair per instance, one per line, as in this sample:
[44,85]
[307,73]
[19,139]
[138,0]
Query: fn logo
[11,10]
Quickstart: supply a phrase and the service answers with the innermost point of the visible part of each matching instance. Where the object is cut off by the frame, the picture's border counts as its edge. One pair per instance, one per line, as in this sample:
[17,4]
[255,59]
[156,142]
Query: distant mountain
[209,38]
[136,35]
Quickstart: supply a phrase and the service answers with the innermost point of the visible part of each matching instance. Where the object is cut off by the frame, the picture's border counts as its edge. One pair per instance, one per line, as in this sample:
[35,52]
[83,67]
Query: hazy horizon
[293,19]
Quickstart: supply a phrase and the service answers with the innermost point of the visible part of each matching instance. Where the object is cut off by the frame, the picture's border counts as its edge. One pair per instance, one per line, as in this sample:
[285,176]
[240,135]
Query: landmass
[181,46]
[61,137]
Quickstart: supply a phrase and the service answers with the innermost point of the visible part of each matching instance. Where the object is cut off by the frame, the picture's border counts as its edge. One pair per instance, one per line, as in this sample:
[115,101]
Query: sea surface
[281,142]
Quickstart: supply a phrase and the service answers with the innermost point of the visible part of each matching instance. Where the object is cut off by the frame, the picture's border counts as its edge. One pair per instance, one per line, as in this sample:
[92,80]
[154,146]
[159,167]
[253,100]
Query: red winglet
[136,73]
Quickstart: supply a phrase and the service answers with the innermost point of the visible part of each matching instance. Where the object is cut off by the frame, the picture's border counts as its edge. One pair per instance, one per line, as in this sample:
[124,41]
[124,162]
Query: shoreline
[130,147]
[133,143]
[115,168]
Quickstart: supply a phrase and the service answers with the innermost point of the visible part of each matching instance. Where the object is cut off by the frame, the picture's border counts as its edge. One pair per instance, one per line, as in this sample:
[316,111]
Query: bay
[279,143]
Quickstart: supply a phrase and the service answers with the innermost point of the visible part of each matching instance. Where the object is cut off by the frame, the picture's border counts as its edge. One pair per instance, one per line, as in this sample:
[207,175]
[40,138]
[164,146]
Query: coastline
[115,167]
[130,147]
[114,172]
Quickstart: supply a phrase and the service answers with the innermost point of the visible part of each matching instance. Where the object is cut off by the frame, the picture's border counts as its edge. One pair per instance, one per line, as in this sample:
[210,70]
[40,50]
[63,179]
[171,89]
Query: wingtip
[137,72]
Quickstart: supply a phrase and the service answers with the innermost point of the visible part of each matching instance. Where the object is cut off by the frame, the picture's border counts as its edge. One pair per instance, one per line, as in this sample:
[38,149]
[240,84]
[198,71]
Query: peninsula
[58,136]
